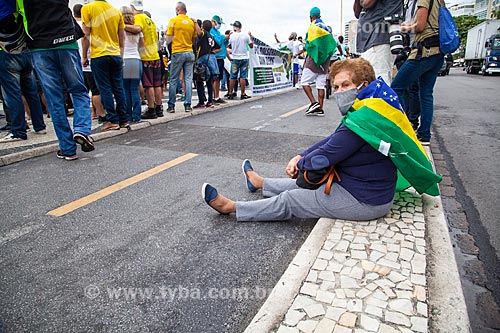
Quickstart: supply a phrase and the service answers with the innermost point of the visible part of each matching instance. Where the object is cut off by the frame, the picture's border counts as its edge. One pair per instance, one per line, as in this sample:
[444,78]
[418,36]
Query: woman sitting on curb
[365,150]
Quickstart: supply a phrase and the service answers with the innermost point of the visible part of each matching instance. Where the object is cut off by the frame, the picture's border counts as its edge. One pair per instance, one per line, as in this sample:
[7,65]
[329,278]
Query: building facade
[462,8]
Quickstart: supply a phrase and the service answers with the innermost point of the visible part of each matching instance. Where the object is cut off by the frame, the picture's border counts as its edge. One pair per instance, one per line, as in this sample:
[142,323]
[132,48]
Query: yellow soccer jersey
[150,50]
[104,21]
[182,28]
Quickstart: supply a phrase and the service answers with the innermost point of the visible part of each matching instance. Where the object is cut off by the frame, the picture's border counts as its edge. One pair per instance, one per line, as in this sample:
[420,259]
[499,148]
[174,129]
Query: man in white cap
[151,66]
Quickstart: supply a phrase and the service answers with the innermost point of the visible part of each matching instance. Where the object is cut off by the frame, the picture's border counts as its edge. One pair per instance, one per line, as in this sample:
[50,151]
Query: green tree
[464,23]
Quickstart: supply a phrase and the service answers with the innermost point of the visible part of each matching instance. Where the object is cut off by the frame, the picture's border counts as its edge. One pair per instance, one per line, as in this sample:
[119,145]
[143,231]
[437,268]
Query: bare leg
[223,205]
[99,108]
[309,93]
[254,179]
[216,89]
[158,93]
[242,86]
[231,86]
[150,96]
[321,97]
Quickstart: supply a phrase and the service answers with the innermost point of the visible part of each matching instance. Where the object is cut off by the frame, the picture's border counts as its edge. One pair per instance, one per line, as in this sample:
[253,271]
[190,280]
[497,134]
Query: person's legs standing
[382,60]
[232,78]
[102,74]
[48,68]
[135,98]
[127,83]
[175,69]
[413,106]
[116,79]
[308,78]
[213,75]
[407,74]
[200,90]
[11,68]
[320,86]
[243,76]
[30,92]
[187,68]
[217,83]
[72,73]
[427,80]
[295,73]
[158,89]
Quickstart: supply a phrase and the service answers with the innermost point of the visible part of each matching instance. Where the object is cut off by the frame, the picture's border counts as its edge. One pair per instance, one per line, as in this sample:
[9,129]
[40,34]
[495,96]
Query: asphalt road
[466,128]
[151,256]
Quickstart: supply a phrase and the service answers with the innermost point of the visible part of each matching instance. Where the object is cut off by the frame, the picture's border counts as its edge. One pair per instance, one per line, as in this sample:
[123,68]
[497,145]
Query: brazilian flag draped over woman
[378,118]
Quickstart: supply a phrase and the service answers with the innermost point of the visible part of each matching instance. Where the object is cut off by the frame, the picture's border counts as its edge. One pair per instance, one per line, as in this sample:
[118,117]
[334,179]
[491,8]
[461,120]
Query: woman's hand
[291,169]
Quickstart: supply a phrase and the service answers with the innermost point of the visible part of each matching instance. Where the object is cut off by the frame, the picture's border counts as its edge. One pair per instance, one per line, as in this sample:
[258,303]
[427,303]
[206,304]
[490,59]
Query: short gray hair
[181,5]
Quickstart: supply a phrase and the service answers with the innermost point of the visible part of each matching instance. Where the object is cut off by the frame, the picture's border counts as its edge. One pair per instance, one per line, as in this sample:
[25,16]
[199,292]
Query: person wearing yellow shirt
[181,32]
[151,65]
[103,24]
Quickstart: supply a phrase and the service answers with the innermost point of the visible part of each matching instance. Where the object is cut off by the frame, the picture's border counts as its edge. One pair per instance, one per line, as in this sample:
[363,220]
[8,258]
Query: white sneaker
[10,138]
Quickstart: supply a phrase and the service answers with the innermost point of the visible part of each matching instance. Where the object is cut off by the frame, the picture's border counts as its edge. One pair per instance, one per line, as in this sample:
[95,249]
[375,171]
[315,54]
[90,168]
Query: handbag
[200,72]
[313,179]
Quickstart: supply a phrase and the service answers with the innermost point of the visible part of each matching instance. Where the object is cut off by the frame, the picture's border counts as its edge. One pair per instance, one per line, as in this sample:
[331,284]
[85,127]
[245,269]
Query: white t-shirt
[239,42]
[295,47]
[80,49]
[131,47]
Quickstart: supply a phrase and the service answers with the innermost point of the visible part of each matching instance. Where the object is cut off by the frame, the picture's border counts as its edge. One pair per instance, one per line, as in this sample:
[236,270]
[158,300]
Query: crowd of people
[117,56]
[101,62]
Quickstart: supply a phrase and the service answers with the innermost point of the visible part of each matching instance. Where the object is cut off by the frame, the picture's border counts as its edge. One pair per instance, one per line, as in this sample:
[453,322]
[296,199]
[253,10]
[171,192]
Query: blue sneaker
[246,166]
[209,194]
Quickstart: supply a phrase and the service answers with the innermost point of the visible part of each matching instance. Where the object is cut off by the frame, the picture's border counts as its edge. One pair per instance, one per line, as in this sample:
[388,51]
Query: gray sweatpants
[286,200]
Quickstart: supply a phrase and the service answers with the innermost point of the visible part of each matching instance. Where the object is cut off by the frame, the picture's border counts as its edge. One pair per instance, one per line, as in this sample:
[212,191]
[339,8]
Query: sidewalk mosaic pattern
[368,277]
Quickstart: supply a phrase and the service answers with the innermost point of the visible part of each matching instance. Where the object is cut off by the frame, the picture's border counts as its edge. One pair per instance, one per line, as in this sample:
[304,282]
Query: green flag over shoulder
[377,117]
[320,44]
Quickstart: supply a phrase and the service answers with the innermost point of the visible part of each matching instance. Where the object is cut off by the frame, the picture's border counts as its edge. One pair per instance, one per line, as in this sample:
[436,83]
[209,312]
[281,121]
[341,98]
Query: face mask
[345,99]
[217,26]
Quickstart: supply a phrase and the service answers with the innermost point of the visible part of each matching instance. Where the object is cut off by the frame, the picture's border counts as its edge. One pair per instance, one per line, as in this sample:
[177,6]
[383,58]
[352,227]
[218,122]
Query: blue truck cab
[491,62]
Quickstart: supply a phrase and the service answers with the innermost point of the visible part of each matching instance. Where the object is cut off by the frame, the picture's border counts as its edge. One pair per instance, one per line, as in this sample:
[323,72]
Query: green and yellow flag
[378,118]
[320,44]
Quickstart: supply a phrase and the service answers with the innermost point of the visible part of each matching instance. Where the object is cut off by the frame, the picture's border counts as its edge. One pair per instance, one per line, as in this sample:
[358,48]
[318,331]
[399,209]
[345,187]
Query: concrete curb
[50,148]
[448,311]
[283,294]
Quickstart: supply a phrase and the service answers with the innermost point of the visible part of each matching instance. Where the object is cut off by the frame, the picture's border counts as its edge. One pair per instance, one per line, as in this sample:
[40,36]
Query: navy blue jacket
[366,173]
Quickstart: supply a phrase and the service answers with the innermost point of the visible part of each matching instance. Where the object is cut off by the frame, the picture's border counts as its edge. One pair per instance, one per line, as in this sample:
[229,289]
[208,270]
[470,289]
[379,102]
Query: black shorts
[220,64]
[90,83]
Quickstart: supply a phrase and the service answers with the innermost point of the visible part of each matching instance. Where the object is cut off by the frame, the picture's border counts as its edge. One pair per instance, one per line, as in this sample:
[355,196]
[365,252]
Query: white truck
[482,51]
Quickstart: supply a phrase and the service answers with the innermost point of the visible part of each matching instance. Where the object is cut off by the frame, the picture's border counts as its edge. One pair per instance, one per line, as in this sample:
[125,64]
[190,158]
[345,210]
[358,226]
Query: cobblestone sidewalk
[368,277]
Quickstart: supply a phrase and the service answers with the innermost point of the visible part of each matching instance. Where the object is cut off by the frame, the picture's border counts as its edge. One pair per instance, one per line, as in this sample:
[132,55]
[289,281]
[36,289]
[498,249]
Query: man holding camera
[372,41]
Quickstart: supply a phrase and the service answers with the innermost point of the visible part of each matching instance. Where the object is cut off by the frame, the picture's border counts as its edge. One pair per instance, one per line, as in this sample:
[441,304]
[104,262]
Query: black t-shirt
[206,44]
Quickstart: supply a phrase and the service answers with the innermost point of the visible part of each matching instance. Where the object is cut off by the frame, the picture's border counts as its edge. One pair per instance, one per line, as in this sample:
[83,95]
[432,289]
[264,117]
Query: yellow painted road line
[68,208]
[300,108]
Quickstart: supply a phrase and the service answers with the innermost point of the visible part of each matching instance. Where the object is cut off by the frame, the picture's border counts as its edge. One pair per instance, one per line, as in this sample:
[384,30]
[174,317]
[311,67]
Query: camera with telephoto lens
[395,35]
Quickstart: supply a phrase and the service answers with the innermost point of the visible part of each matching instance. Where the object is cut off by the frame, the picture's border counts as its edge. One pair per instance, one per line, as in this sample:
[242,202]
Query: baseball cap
[314,12]
[137,4]
[237,24]
[217,19]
